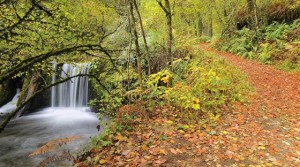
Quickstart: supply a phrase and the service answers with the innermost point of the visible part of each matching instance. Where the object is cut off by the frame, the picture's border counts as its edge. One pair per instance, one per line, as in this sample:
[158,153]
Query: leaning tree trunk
[32,83]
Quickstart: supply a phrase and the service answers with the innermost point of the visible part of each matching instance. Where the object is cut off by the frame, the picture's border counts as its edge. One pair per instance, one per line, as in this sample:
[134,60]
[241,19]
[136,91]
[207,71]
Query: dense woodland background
[144,52]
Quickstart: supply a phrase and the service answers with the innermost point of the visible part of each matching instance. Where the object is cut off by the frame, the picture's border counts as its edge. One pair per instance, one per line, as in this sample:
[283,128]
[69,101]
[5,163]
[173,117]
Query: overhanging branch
[28,62]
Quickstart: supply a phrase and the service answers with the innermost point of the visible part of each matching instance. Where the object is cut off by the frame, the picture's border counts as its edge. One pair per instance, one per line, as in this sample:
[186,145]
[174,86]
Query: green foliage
[104,139]
[111,93]
[274,44]
[49,26]
[201,84]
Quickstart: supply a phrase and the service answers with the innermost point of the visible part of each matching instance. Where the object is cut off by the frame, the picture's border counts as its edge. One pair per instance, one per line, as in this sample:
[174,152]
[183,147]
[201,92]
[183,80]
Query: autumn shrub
[202,84]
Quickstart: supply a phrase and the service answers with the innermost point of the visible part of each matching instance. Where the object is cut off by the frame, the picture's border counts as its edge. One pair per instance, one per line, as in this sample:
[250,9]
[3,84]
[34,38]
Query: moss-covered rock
[31,84]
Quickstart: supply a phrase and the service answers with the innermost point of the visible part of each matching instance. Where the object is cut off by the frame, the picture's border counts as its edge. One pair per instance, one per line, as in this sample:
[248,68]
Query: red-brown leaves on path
[263,132]
[269,126]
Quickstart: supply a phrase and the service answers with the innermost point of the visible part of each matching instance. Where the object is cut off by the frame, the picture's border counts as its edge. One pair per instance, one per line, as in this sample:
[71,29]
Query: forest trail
[267,129]
[264,131]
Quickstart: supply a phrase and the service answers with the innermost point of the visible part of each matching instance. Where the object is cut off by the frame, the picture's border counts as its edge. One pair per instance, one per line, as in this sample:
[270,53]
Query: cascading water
[67,116]
[10,106]
[73,93]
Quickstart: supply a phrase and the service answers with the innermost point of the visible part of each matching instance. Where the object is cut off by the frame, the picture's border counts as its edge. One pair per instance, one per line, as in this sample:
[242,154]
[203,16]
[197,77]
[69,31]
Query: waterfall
[73,93]
[10,106]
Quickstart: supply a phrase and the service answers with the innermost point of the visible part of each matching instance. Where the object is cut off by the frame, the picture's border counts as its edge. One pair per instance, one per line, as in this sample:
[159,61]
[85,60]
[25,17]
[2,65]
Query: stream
[25,134]
[68,116]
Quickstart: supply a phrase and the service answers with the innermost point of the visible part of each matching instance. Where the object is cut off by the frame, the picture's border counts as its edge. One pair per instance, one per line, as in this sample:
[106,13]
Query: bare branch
[162,6]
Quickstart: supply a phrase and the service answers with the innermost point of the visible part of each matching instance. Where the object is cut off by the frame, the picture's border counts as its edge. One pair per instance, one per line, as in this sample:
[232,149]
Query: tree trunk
[137,47]
[144,36]
[167,9]
[129,53]
[253,11]
[32,83]
[170,35]
[210,28]
[199,25]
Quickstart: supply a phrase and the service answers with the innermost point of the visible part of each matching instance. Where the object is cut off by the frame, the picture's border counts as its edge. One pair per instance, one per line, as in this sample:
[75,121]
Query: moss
[31,84]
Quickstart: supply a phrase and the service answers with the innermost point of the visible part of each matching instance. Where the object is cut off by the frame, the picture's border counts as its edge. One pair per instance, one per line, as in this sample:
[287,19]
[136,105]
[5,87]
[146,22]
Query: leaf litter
[263,132]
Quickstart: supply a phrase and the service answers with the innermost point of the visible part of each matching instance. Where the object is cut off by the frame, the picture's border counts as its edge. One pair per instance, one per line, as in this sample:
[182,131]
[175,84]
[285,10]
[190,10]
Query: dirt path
[266,131]
[263,132]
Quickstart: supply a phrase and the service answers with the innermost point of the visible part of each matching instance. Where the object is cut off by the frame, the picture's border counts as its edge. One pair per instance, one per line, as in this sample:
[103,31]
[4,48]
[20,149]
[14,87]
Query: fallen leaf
[119,137]
[144,147]
[102,161]
[169,122]
[163,152]
[160,161]
[125,153]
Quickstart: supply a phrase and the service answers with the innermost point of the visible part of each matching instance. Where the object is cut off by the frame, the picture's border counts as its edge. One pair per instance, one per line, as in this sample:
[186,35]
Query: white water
[10,106]
[73,93]
[68,116]
[27,133]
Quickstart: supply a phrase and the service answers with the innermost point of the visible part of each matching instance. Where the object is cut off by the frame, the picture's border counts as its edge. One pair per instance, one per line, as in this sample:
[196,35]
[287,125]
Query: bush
[202,84]
[274,44]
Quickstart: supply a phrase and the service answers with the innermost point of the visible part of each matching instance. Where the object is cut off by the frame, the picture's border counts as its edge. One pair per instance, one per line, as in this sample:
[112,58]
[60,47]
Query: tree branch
[41,8]
[162,6]
[28,62]
[9,28]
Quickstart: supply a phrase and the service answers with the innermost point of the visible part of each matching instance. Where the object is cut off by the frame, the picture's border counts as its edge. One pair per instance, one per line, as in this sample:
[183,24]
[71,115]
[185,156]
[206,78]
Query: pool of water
[24,135]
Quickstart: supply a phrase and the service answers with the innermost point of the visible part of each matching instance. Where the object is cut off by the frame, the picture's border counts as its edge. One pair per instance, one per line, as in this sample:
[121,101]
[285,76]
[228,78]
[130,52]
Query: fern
[52,145]
[64,156]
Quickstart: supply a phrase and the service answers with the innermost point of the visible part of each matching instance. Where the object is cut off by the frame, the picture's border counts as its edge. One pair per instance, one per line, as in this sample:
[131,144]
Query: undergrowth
[276,44]
[188,89]
[203,84]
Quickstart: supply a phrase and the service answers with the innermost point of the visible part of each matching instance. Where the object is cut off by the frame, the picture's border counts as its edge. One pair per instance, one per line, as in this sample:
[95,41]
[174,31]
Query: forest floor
[265,131]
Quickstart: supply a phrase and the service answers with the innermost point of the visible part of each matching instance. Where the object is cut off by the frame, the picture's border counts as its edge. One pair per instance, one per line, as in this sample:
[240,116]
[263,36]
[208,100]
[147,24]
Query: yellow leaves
[164,76]
[224,132]
[181,131]
[102,161]
[175,151]
[196,106]
[261,148]
[212,73]
[183,127]
[163,152]
[157,151]
[214,117]
[144,147]
[119,137]
[169,122]
[165,79]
